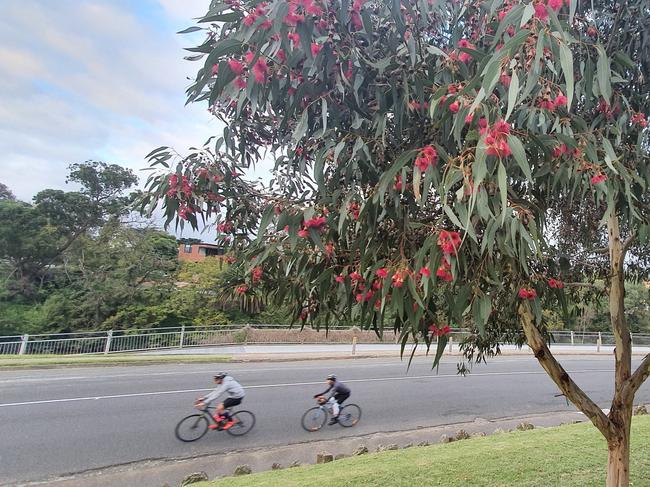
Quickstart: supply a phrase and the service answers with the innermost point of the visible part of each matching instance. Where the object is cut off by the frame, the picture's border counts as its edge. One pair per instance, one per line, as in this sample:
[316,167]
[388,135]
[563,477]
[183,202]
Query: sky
[96,79]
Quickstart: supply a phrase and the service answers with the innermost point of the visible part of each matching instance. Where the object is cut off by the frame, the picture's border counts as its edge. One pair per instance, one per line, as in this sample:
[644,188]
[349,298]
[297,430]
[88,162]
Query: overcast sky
[98,79]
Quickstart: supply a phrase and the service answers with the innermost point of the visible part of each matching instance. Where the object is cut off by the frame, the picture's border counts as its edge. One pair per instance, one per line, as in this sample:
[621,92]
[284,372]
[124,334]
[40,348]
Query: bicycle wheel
[314,419]
[244,422]
[349,415]
[192,428]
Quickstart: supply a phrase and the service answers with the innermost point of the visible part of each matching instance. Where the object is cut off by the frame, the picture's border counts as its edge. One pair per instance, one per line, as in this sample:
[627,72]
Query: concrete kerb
[172,471]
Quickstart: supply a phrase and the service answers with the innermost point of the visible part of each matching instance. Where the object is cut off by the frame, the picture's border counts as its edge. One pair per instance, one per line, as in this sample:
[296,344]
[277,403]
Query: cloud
[99,79]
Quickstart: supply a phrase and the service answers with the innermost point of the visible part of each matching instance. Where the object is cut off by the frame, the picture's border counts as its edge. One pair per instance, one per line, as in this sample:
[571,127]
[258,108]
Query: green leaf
[227,17]
[194,28]
[519,153]
[440,349]
[324,113]
[227,46]
[610,155]
[503,190]
[301,128]
[266,219]
[454,219]
[513,91]
[511,18]
[481,309]
[389,176]
[566,61]
[529,11]
[573,5]
[479,168]
[603,73]
[491,74]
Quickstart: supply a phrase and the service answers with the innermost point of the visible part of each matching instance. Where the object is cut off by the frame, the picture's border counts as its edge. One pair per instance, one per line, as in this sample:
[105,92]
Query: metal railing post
[572,338]
[354,345]
[109,339]
[180,343]
[599,342]
[451,343]
[23,344]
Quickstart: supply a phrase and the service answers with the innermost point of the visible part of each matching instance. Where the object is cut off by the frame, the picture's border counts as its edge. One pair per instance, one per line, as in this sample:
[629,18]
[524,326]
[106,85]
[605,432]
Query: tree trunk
[620,415]
[618,459]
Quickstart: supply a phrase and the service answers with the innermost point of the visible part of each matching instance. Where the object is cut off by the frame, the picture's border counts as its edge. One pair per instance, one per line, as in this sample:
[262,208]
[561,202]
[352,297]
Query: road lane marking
[235,367]
[292,384]
[21,379]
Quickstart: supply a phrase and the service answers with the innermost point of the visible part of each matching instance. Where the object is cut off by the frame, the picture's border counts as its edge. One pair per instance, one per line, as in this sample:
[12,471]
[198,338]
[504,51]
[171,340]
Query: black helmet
[220,375]
[331,377]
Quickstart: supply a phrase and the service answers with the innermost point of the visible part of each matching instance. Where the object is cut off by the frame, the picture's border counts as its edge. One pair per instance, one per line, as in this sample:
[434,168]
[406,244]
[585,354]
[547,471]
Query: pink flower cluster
[552,105]
[399,278]
[496,138]
[598,178]
[439,330]
[428,157]
[465,57]
[260,69]
[541,11]
[317,223]
[256,274]
[448,243]
[185,186]
[527,293]
[225,227]
[639,119]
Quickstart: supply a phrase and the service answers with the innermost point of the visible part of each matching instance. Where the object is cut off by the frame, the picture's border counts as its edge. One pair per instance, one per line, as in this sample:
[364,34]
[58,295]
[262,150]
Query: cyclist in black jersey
[339,392]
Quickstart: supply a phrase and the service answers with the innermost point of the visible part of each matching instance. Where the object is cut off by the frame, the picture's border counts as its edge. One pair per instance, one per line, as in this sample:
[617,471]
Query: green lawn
[567,456]
[126,359]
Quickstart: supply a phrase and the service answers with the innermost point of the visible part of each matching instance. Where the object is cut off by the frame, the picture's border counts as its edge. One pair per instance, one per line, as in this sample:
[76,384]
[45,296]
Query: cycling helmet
[220,375]
[331,377]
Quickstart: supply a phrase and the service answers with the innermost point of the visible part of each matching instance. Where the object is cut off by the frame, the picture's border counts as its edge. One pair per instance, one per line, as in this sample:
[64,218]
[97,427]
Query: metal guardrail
[114,341]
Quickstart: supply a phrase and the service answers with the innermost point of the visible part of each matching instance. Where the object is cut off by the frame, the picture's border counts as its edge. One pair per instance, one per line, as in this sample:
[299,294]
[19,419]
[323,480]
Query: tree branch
[612,34]
[628,243]
[584,284]
[640,375]
[560,376]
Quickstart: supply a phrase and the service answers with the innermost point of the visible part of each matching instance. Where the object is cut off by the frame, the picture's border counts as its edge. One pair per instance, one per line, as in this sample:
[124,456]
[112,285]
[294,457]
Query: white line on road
[234,367]
[294,384]
[205,371]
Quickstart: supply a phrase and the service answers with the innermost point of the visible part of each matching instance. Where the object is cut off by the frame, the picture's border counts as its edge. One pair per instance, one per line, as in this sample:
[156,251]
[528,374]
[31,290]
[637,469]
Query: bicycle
[195,426]
[315,418]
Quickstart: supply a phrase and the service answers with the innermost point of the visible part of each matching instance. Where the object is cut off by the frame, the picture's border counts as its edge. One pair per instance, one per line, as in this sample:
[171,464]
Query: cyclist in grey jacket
[339,393]
[225,385]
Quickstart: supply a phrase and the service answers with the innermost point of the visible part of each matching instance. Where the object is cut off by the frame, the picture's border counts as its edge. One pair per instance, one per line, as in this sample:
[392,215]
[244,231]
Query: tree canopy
[429,158]
[33,237]
[428,143]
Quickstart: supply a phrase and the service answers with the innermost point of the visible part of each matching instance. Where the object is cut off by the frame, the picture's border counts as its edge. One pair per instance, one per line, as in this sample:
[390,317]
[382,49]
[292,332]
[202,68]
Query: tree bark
[620,415]
[618,458]
[560,376]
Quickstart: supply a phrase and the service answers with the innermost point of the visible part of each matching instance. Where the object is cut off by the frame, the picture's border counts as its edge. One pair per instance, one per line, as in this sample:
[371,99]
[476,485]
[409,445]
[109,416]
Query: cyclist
[340,392]
[225,384]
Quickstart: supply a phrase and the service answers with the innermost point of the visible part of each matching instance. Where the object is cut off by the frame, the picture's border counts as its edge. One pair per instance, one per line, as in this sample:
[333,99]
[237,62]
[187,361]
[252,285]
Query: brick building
[198,252]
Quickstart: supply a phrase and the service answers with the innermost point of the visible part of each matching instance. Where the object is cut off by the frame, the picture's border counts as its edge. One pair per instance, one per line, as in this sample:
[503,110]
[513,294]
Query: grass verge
[126,359]
[567,456]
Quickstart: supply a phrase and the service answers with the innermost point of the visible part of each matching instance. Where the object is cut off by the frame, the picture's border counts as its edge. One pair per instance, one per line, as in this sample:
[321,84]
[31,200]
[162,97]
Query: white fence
[115,341]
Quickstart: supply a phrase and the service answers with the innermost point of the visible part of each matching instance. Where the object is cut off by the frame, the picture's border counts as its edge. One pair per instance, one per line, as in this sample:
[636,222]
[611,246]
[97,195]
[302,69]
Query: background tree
[34,237]
[102,274]
[5,193]
[424,152]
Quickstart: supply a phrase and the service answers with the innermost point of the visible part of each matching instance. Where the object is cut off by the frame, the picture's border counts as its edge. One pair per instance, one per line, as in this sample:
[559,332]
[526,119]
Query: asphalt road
[62,421]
